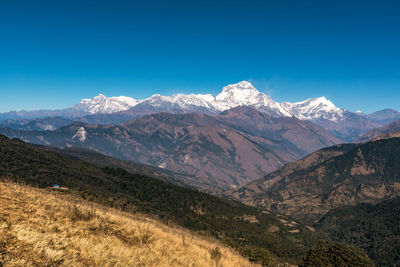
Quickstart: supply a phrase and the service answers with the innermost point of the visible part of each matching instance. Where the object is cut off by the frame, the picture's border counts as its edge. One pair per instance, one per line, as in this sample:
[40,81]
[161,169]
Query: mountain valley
[266,179]
[230,149]
[262,237]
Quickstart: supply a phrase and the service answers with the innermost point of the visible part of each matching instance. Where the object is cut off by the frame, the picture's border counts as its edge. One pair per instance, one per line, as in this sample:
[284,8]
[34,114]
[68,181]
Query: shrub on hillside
[328,253]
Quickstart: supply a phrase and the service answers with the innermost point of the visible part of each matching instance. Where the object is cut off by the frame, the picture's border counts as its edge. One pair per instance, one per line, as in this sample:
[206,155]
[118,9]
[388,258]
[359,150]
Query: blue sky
[54,53]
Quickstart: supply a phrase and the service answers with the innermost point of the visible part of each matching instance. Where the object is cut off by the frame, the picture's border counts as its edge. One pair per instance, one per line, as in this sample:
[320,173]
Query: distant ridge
[100,109]
[386,130]
[233,95]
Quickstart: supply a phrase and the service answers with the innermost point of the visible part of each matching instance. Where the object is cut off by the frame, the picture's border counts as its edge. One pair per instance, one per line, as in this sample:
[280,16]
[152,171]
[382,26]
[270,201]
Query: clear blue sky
[53,53]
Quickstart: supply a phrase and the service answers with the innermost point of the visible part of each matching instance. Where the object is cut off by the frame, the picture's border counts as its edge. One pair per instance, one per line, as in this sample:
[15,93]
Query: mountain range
[227,150]
[225,141]
[290,161]
[388,129]
[342,123]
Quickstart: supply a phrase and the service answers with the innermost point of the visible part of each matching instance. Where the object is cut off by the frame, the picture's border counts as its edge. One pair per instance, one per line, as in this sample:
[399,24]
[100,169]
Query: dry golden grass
[43,228]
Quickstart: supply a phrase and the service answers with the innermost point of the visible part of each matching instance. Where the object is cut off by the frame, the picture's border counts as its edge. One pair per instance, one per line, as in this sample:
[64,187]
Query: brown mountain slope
[249,192]
[390,128]
[230,149]
[303,135]
[342,175]
[351,127]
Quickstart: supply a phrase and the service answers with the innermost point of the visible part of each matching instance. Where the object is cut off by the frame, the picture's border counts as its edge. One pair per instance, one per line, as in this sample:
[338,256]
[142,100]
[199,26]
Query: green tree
[328,253]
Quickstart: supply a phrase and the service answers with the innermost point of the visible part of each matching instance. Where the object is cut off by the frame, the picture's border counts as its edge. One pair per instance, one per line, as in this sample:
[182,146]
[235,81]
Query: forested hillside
[259,236]
[375,228]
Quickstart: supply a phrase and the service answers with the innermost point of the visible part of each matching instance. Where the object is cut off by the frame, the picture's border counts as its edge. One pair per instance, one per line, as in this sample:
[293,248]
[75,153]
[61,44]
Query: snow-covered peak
[194,100]
[100,96]
[245,94]
[239,94]
[186,103]
[320,103]
[125,99]
[103,104]
[240,85]
[314,108]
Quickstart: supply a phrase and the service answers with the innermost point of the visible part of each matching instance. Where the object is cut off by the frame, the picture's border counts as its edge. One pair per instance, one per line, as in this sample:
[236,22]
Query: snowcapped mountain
[185,103]
[233,95]
[245,94]
[113,110]
[239,94]
[314,108]
[103,104]
[342,123]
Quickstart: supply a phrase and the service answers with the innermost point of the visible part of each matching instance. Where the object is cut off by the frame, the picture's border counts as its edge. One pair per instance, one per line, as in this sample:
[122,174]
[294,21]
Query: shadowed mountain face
[330,178]
[388,129]
[348,128]
[304,135]
[231,149]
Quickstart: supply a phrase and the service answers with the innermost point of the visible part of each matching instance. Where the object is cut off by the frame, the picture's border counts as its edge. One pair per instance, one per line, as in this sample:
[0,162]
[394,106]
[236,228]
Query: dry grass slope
[43,228]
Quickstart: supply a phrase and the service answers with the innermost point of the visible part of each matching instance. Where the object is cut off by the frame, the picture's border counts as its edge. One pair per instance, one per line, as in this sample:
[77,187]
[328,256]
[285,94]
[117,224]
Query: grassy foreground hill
[43,228]
[261,237]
